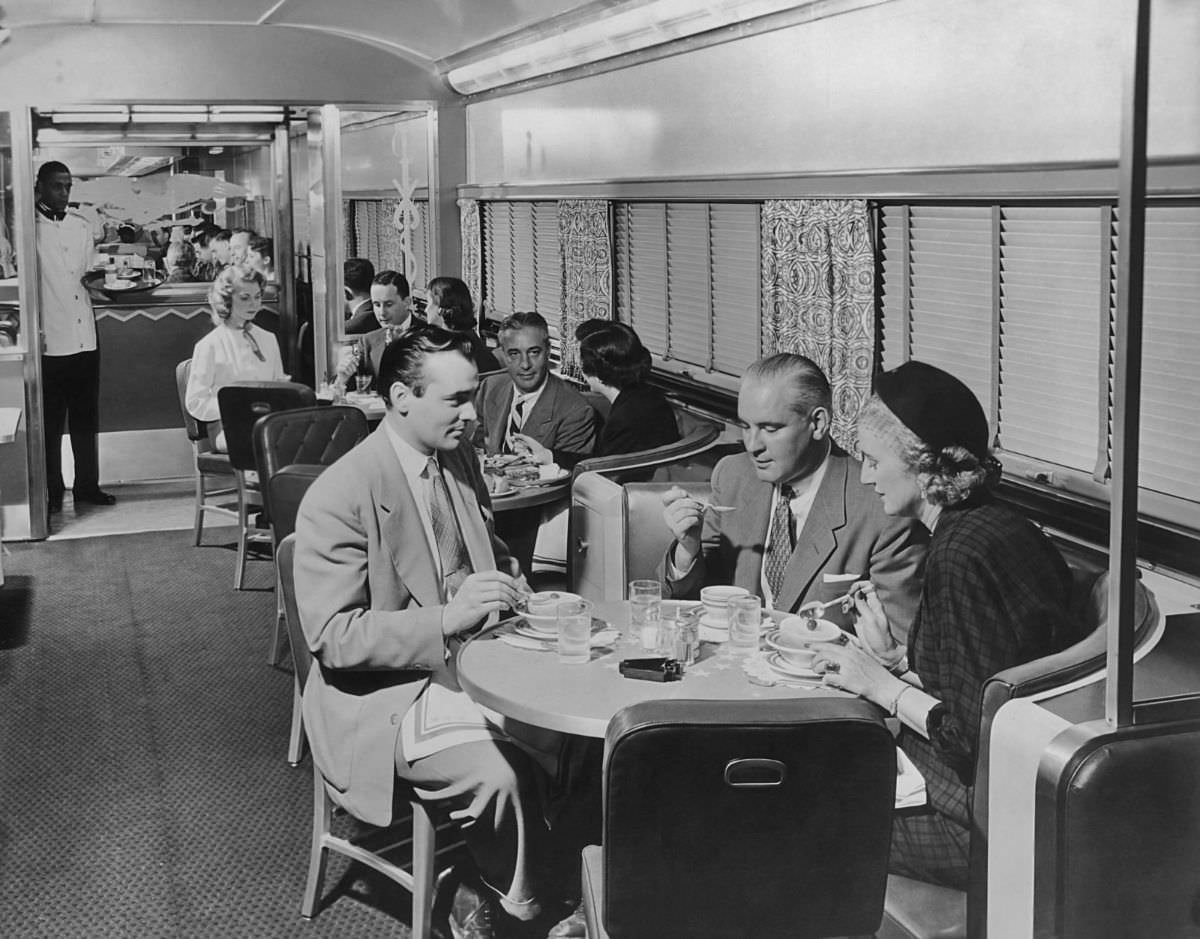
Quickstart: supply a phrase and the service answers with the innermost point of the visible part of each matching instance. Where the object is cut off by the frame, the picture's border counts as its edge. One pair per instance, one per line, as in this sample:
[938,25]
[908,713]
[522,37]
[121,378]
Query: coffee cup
[796,636]
[716,602]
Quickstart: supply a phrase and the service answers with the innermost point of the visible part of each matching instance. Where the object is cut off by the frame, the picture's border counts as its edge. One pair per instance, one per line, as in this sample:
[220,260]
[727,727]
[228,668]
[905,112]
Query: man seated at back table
[801,513]
[395,557]
[527,401]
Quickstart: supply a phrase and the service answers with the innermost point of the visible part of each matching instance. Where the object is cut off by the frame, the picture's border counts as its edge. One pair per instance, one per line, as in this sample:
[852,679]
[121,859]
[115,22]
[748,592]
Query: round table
[536,688]
[530,496]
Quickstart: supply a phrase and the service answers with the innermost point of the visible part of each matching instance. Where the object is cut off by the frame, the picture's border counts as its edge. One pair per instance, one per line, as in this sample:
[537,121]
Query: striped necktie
[783,541]
[516,421]
[456,563]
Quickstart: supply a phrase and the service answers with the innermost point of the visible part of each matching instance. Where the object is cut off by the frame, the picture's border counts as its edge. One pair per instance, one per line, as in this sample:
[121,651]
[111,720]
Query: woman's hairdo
[948,476]
[220,294]
[612,353]
[453,298]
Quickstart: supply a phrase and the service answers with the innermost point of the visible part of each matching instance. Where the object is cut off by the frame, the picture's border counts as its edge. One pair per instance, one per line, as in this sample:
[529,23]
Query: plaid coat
[996,594]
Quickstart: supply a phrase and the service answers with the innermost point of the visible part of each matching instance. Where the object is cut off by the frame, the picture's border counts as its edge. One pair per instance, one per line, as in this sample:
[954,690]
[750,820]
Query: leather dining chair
[208,466]
[421,834]
[242,404]
[742,819]
[285,490]
[315,437]
[914,909]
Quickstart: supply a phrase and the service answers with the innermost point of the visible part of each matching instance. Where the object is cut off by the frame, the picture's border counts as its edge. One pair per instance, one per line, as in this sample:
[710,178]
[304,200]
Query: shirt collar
[49,213]
[412,460]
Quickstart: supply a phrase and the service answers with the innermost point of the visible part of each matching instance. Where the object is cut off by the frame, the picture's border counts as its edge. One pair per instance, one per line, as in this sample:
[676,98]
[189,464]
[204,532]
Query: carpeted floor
[144,790]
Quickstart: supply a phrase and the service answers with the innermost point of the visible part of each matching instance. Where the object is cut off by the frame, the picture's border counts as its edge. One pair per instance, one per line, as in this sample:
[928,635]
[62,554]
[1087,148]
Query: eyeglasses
[253,343]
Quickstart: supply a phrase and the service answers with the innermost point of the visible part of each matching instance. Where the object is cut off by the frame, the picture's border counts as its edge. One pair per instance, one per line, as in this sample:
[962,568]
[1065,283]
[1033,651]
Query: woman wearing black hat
[995,595]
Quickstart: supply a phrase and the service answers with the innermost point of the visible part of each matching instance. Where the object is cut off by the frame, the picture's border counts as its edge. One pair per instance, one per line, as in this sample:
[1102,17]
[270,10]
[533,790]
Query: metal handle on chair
[754,773]
[581,546]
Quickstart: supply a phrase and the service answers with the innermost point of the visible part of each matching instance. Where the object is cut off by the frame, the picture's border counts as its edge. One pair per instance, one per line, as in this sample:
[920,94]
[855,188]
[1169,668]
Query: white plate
[783,667]
[522,628]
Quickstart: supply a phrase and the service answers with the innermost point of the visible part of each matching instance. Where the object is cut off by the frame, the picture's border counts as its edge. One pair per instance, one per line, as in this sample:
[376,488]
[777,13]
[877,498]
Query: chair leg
[322,821]
[424,855]
[279,634]
[239,573]
[198,523]
[296,739]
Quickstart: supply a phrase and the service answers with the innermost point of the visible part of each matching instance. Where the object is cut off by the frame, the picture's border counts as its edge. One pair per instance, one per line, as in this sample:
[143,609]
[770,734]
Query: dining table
[530,684]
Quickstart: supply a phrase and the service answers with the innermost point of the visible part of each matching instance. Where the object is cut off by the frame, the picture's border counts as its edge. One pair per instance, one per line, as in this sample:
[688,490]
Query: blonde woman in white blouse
[236,349]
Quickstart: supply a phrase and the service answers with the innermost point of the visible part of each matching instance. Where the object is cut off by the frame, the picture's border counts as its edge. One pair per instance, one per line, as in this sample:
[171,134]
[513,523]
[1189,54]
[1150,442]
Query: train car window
[521,265]
[687,278]
[1019,300]
[371,232]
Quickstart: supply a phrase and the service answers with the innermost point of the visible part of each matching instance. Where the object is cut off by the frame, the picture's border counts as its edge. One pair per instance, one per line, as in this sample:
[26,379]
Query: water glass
[645,605]
[668,631]
[575,632]
[362,383]
[745,623]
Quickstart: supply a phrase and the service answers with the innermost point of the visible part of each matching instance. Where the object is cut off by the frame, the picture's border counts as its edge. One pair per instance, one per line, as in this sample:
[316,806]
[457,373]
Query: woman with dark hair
[995,595]
[616,365]
[450,305]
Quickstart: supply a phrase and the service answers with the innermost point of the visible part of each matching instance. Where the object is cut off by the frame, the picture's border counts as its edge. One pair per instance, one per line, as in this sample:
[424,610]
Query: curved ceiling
[422,31]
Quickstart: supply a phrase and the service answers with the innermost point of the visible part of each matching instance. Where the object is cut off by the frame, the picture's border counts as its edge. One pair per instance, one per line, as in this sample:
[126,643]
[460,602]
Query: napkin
[910,784]
[605,637]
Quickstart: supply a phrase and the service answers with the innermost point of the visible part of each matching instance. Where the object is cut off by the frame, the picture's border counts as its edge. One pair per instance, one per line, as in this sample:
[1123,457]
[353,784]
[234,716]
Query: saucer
[783,667]
[523,628]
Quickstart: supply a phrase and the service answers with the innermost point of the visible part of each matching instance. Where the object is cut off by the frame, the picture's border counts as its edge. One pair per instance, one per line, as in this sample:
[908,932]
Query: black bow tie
[51,213]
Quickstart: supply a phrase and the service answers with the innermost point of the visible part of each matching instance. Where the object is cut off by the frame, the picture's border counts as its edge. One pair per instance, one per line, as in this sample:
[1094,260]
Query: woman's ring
[833,667]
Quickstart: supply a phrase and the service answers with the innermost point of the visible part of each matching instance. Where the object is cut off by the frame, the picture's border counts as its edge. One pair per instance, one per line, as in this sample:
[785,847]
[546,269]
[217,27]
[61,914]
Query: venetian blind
[497,259]
[950,293]
[1054,315]
[893,254]
[548,268]
[1170,406]
[687,279]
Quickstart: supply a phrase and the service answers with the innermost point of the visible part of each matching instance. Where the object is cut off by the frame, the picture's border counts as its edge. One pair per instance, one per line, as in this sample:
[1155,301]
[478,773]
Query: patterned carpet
[144,790]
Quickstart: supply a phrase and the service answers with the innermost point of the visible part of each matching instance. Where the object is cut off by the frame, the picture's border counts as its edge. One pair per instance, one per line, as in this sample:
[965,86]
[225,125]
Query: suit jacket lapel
[817,540]
[400,522]
[542,412]
[498,430]
[751,522]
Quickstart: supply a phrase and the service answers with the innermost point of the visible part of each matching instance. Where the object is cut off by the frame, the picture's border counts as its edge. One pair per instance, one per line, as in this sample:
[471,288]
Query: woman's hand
[532,450]
[852,669]
[871,625]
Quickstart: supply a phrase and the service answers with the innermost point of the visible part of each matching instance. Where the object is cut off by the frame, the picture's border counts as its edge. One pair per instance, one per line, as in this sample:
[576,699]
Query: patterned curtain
[818,294]
[585,244]
[371,233]
[472,247]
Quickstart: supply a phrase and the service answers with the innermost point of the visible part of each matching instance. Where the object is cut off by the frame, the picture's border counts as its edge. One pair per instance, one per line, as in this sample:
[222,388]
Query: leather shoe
[96,497]
[471,915]
[573,927]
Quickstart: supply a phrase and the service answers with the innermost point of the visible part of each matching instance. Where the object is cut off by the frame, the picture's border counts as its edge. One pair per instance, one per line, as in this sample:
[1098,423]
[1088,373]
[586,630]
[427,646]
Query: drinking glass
[668,631]
[362,383]
[645,604]
[574,632]
[745,623]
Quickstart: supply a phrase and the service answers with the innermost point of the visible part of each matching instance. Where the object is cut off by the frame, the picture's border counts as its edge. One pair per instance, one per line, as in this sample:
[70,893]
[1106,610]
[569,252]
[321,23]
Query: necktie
[783,541]
[456,563]
[517,420]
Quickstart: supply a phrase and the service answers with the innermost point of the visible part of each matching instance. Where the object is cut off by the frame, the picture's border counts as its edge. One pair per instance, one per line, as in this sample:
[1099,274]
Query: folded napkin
[605,637]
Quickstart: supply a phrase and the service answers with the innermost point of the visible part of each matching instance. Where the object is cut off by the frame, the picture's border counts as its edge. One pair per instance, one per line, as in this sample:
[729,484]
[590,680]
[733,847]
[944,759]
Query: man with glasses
[803,528]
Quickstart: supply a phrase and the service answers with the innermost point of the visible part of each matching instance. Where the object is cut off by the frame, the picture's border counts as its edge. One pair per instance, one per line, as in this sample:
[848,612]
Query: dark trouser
[71,396]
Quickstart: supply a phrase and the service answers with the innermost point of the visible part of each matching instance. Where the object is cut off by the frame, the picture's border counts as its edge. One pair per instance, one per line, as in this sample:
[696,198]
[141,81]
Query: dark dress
[996,594]
[483,357]
[640,419]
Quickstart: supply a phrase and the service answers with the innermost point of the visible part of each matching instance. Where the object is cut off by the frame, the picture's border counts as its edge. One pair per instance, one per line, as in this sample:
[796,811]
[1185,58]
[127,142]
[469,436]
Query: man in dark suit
[357,275]
[395,559]
[804,527]
[527,401]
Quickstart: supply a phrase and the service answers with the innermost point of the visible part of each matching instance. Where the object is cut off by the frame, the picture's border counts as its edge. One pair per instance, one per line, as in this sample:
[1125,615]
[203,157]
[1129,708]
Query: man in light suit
[528,403]
[804,527]
[395,558]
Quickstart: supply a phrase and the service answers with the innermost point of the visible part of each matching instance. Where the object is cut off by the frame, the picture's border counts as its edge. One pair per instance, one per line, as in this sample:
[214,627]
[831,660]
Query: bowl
[793,639]
[716,602]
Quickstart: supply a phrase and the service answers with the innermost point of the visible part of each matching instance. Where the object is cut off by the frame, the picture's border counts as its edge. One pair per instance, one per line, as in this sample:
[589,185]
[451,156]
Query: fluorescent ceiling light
[620,28]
